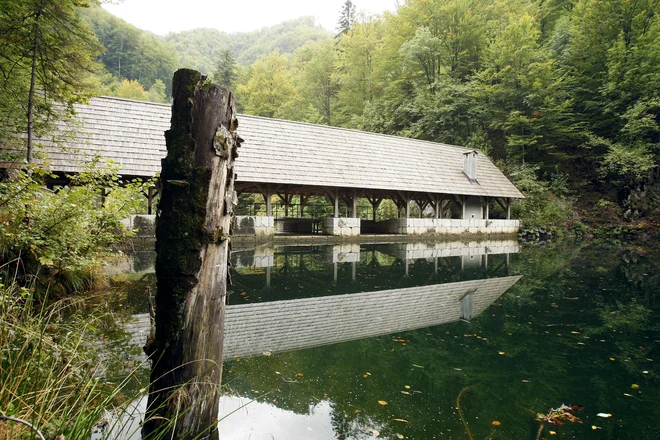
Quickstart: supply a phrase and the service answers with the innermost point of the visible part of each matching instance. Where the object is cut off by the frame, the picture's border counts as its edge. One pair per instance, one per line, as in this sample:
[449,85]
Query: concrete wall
[346,226]
[473,208]
[144,224]
[419,226]
[254,225]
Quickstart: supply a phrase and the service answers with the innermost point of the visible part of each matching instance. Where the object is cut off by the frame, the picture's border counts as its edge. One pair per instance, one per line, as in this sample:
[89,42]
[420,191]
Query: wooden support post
[303,201]
[286,203]
[486,208]
[336,202]
[375,203]
[192,243]
[508,208]
[267,195]
[150,199]
[354,198]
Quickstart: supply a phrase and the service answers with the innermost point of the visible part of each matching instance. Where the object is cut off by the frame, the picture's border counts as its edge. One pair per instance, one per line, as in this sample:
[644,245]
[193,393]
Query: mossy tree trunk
[192,244]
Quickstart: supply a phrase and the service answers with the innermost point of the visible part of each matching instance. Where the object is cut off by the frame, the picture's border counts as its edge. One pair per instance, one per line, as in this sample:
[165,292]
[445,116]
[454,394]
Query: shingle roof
[283,152]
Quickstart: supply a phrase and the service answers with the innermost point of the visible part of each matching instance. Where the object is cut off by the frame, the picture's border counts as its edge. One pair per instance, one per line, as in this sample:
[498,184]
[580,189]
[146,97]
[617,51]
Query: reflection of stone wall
[344,226]
[415,251]
[144,224]
[254,225]
[344,253]
[261,256]
[419,226]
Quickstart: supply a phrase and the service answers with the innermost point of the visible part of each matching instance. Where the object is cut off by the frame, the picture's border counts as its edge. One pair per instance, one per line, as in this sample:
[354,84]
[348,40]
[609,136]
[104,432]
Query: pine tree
[346,17]
[225,72]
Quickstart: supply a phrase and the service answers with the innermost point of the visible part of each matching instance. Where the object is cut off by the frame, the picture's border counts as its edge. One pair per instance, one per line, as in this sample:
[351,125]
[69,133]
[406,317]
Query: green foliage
[131,53]
[46,58]
[541,208]
[62,234]
[50,365]
[225,74]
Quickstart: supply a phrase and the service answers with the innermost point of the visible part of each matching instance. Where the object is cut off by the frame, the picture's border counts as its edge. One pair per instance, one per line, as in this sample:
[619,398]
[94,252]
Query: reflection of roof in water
[278,326]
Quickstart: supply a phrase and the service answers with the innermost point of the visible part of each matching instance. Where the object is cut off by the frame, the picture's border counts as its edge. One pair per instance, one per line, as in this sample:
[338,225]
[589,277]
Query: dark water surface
[461,341]
[577,325]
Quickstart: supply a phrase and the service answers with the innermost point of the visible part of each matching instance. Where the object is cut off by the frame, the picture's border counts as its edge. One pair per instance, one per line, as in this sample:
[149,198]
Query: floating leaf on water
[612,359]
[401,420]
[594,427]
[300,375]
[525,381]
[399,435]
[634,386]
[604,415]
[417,366]
[575,333]
[495,423]
[627,395]
[382,402]
[406,392]
[372,432]
[645,372]
[501,353]
[407,387]
[552,433]
[277,372]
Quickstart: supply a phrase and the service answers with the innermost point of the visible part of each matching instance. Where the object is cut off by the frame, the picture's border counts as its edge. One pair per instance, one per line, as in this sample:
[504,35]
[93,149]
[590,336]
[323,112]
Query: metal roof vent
[470,165]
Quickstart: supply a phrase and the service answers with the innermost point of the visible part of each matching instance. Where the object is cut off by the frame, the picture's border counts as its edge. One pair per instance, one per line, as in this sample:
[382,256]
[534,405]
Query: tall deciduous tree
[46,57]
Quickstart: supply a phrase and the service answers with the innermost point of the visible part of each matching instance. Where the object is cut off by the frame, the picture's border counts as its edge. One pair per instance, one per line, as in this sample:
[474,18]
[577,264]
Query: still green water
[458,347]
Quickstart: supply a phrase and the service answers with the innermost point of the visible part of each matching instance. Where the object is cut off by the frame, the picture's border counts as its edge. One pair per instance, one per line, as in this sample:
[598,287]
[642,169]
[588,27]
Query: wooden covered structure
[288,158]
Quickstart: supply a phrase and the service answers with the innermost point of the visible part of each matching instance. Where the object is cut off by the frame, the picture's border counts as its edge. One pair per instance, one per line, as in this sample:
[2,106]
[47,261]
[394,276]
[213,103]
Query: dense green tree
[46,58]
[225,74]
[315,64]
[130,52]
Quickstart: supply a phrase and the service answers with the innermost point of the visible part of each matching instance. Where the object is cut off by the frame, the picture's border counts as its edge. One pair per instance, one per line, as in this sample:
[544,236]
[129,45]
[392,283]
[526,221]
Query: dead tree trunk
[192,244]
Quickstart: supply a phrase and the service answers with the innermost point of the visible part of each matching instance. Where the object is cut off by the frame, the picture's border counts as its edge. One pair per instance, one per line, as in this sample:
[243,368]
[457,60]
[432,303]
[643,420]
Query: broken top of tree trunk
[192,244]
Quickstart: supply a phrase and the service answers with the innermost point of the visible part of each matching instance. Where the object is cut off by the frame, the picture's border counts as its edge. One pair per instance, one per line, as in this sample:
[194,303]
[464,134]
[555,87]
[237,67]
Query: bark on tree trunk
[33,78]
[192,244]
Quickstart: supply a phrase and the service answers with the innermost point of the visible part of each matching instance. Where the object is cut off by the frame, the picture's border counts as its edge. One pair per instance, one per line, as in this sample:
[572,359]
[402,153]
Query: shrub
[61,235]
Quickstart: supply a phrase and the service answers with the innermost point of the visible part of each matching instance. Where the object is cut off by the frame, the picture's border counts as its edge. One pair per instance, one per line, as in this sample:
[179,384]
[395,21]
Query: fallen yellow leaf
[634,386]
[382,402]
[495,423]
[501,353]
[401,420]
[300,375]
[604,415]
[594,427]
[406,392]
[407,387]
[552,433]
[400,436]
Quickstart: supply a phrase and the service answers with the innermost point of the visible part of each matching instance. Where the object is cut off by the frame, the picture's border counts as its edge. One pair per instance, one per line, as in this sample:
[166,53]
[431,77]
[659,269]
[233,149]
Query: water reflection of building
[478,275]
[301,323]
